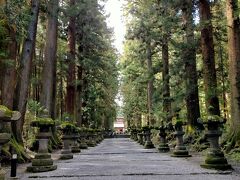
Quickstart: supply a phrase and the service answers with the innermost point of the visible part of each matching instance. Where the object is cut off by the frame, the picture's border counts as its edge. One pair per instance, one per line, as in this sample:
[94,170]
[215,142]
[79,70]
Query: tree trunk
[47,98]
[189,59]
[150,83]
[71,88]
[209,71]
[9,73]
[233,23]
[79,95]
[9,76]
[166,77]
[25,70]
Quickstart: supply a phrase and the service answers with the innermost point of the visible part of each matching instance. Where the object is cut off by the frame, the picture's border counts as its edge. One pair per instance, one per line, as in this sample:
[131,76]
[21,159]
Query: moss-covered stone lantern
[180,149]
[42,161]
[82,139]
[6,116]
[68,130]
[215,157]
[140,137]
[148,142]
[163,146]
[91,142]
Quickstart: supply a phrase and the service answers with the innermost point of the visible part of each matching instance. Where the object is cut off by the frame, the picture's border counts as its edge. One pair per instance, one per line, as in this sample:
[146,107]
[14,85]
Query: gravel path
[124,159]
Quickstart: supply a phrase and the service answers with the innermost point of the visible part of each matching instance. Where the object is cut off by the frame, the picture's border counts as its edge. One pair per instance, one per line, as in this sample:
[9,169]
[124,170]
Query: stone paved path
[124,159]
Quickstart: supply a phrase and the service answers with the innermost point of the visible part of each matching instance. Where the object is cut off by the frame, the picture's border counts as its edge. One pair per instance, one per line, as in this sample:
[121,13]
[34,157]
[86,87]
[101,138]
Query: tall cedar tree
[207,47]
[47,98]
[189,59]
[25,70]
[71,90]
[166,78]
[233,23]
[150,81]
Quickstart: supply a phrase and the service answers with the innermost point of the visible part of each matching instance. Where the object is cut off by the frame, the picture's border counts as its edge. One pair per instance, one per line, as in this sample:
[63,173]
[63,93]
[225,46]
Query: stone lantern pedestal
[180,149]
[140,138]
[148,142]
[215,157]
[42,161]
[163,146]
[75,145]
[66,151]
[91,142]
[82,141]
[6,116]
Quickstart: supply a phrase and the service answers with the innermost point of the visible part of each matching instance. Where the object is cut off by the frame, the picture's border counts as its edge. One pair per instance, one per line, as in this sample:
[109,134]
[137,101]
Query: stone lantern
[6,116]
[180,149]
[91,142]
[163,146]
[75,145]
[148,142]
[42,161]
[140,138]
[82,140]
[215,157]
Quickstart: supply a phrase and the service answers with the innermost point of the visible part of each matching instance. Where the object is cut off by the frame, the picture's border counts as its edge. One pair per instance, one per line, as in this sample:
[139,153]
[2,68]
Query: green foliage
[42,122]
[35,107]
[68,128]
[7,112]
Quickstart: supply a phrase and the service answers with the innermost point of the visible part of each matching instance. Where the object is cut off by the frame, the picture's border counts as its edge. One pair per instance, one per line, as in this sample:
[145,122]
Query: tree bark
[166,77]
[25,70]
[9,76]
[209,71]
[47,98]
[79,95]
[71,88]
[189,59]
[233,23]
[150,83]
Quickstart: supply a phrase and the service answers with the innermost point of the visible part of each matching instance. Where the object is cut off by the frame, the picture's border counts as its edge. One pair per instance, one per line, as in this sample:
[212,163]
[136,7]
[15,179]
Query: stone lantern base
[75,149]
[163,148]
[149,145]
[66,154]
[83,144]
[42,163]
[181,152]
[91,142]
[216,161]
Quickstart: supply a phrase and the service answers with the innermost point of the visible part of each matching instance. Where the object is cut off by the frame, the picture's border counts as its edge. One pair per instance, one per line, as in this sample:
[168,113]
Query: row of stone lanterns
[74,139]
[215,157]
[6,116]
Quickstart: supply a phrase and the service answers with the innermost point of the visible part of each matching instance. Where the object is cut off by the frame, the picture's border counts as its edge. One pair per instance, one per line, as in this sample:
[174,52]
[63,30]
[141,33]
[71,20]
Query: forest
[181,60]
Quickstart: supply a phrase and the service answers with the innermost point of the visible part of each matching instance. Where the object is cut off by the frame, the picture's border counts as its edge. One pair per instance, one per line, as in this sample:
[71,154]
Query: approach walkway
[124,159]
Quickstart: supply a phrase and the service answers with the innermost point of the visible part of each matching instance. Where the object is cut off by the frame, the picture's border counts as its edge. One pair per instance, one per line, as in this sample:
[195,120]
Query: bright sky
[114,8]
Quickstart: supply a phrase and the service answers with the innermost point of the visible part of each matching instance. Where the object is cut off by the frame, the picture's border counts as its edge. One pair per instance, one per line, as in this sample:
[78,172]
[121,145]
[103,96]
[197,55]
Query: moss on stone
[7,112]
[42,122]
[42,162]
[69,128]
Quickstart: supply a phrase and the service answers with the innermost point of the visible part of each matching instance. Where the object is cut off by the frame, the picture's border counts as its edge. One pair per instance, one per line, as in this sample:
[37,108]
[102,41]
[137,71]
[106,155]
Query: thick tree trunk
[9,73]
[9,76]
[150,83]
[209,71]
[79,95]
[47,98]
[233,23]
[166,77]
[25,70]
[71,88]
[189,59]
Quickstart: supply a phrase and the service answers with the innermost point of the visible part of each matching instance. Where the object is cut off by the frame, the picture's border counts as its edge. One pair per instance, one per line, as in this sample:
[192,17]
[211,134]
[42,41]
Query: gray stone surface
[124,159]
